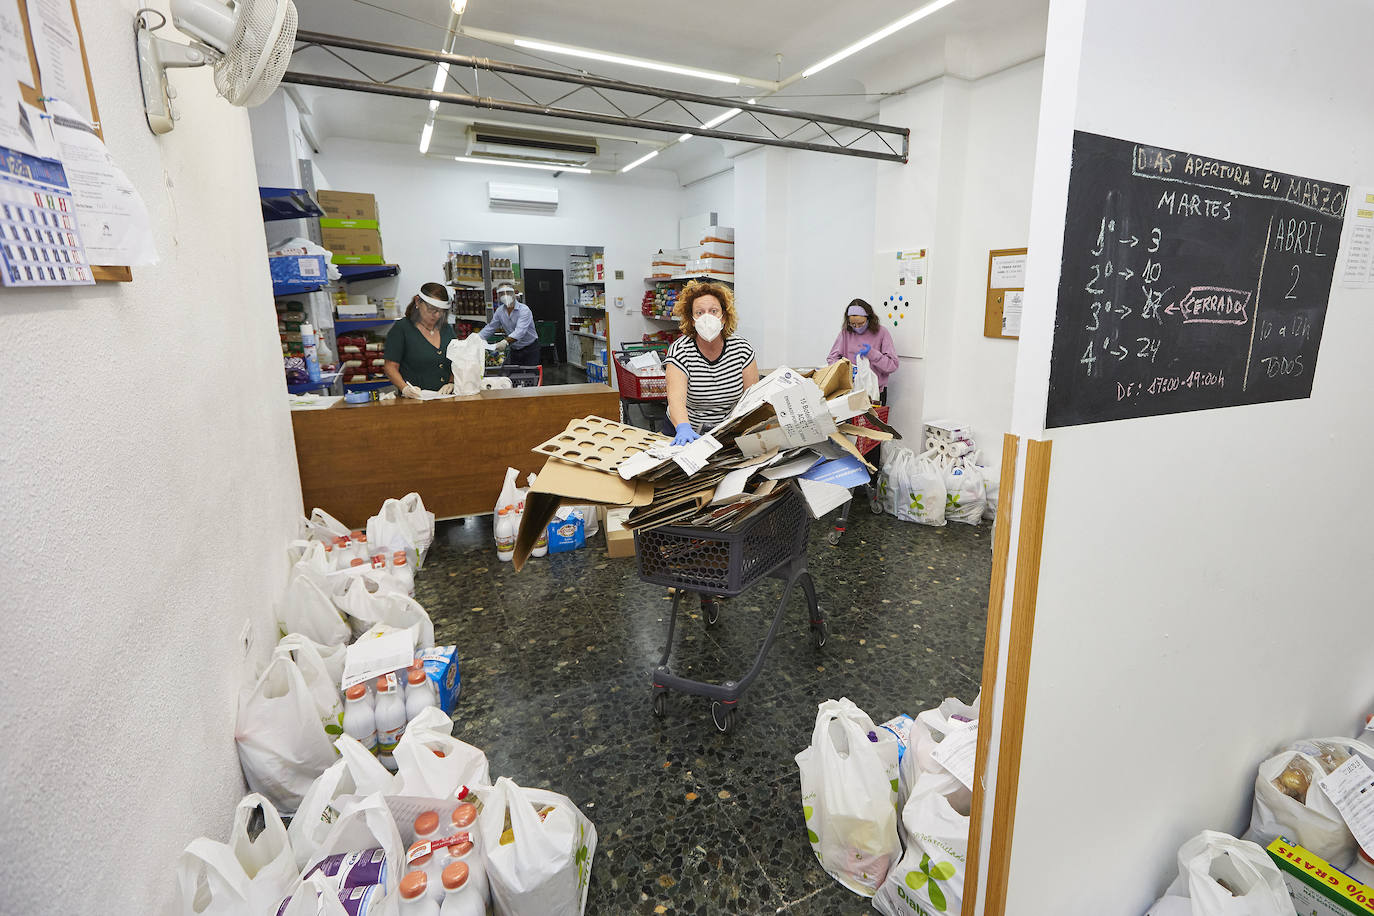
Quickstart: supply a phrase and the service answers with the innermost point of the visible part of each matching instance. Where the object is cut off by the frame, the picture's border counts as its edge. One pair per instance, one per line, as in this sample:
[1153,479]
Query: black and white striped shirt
[713,388]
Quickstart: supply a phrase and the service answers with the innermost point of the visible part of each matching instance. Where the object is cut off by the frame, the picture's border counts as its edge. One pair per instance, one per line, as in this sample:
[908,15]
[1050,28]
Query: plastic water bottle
[505,534]
[391,720]
[420,693]
[459,898]
[415,899]
[312,356]
[359,720]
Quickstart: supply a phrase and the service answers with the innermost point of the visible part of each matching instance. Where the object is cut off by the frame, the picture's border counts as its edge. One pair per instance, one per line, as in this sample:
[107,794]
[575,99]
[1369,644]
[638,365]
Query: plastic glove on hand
[863,351]
[410,391]
[503,343]
[447,389]
[685,434]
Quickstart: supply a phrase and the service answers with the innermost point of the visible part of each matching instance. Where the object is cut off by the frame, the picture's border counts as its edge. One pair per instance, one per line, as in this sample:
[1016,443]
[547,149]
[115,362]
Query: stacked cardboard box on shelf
[714,255]
[350,228]
[790,428]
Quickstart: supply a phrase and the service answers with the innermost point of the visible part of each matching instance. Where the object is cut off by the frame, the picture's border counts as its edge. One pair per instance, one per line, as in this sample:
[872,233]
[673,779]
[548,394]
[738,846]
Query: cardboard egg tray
[599,444]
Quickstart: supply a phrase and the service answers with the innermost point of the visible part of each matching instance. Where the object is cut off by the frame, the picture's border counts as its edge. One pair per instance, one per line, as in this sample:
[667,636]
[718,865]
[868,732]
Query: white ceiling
[969,39]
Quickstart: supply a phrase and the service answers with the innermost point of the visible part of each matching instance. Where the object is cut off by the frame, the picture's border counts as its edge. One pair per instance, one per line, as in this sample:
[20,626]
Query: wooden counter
[453,452]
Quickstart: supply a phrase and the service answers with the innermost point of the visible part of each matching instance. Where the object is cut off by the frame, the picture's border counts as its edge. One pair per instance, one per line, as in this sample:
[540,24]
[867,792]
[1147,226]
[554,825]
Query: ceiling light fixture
[478,160]
[458,6]
[425,136]
[721,118]
[877,36]
[627,61]
[638,162]
[684,138]
[440,81]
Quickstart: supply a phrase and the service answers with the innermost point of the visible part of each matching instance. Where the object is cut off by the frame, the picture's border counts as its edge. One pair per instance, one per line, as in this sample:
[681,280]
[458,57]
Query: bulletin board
[34,96]
[899,297]
[1006,287]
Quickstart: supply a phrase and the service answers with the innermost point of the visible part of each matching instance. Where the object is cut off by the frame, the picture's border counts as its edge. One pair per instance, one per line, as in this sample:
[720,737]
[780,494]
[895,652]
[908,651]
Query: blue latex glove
[863,351]
[685,434]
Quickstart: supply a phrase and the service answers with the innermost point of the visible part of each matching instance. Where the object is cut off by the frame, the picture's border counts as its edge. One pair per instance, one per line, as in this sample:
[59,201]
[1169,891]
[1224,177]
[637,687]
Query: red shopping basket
[631,386]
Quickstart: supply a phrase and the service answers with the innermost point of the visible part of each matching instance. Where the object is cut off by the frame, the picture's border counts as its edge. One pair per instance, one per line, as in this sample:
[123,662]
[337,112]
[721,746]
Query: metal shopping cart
[520,376]
[714,563]
[865,446]
[637,389]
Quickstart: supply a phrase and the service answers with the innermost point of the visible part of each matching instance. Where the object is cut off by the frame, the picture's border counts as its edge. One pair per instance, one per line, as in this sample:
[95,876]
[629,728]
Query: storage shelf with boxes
[350,227]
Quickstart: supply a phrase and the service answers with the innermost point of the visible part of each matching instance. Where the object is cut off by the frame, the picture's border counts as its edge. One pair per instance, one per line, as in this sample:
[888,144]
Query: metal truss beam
[884,134]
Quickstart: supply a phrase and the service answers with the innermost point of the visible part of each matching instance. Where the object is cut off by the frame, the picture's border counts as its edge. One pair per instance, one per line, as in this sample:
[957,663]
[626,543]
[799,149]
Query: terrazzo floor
[555,665]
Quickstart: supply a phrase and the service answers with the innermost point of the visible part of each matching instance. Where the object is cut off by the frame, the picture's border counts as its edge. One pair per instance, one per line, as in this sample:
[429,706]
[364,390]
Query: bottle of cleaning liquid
[420,693]
[391,719]
[459,898]
[505,534]
[359,720]
[415,899]
[312,356]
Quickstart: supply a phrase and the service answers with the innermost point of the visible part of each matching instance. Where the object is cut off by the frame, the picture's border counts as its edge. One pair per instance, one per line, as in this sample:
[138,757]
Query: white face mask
[708,326]
[508,300]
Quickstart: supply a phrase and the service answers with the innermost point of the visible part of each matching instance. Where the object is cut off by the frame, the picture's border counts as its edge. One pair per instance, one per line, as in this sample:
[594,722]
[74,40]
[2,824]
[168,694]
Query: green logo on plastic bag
[931,874]
[951,501]
[583,865]
[807,811]
[334,726]
[916,505]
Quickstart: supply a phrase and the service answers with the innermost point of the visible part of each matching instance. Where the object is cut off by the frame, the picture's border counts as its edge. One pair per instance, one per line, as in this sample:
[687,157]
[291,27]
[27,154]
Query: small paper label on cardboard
[957,753]
[1350,787]
[692,458]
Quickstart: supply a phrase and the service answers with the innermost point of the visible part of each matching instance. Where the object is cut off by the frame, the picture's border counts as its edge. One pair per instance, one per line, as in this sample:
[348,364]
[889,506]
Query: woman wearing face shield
[709,366]
[861,335]
[513,317]
[417,345]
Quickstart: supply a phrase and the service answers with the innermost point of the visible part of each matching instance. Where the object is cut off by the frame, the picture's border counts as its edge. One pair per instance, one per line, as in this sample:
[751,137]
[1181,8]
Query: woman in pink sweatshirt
[861,335]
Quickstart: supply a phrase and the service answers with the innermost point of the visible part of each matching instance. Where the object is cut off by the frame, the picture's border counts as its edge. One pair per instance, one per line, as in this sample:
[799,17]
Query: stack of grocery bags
[791,430]
[346,730]
[946,482]
[887,806]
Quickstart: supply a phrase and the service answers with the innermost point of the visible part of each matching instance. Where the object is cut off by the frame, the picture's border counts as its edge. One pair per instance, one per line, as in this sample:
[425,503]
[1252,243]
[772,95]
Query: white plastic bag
[930,876]
[366,824]
[317,895]
[244,876]
[311,553]
[849,796]
[933,725]
[992,483]
[1314,822]
[421,521]
[469,359]
[966,495]
[546,867]
[368,600]
[919,489]
[356,772]
[1256,887]
[883,494]
[308,610]
[431,763]
[390,530]
[282,745]
[324,690]
[325,527]
[510,489]
[866,379]
[332,656]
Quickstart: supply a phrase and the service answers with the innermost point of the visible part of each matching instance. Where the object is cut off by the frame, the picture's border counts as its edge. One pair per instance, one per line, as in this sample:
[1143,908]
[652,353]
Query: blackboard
[1187,283]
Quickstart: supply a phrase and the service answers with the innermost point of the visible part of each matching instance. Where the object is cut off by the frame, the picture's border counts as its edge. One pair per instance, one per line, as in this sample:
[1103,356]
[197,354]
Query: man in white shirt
[521,342]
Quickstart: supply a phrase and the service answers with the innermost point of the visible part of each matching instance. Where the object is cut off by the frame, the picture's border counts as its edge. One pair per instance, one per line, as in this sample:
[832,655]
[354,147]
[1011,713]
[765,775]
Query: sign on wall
[1187,283]
[899,298]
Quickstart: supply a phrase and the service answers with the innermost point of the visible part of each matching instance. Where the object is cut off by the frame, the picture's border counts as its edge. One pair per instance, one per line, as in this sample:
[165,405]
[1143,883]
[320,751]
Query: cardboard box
[563,484]
[353,246]
[441,664]
[331,223]
[347,205]
[1318,888]
[620,541]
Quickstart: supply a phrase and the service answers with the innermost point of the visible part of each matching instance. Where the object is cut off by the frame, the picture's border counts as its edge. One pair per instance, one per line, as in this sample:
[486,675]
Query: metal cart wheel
[819,632]
[723,716]
[710,609]
[833,537]
[660,703]
[874,506]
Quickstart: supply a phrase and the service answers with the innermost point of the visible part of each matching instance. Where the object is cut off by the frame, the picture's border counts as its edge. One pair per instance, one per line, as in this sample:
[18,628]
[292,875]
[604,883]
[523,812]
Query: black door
[544,294]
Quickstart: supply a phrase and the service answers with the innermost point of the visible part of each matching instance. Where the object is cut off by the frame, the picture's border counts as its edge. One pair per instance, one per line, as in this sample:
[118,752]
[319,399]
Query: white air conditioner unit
[527,198]
[491,141]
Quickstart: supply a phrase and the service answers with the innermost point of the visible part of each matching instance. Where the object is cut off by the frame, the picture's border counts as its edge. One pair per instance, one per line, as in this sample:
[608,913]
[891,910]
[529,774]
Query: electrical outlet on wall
[246,638]
[620,302]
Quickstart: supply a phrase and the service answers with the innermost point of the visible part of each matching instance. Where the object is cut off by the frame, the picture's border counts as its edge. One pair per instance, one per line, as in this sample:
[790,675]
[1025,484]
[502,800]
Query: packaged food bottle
[541,544]
[400,568]
[391,719]
[416,900]
[420,693]
[354,869]
[459,898]
[312,356]
[359,720]
[426,826]
[430,861]
[505,534]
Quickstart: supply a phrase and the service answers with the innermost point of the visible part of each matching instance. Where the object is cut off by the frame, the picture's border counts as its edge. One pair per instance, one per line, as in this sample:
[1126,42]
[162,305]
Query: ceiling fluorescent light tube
[458,6]
[627,61]
[721,118]
[478,160]
[638,162]
[425,136]
[440,77]
[684,138]
[877,36]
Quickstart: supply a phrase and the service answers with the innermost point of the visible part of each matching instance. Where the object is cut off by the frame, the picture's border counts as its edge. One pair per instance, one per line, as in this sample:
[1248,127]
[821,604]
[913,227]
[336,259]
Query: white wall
[423,201]
[715,194]
[1202,597]
[150,486]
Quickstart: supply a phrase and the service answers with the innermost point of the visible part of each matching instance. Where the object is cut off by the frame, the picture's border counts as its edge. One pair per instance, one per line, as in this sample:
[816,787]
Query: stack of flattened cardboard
[791,429]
